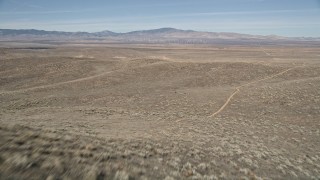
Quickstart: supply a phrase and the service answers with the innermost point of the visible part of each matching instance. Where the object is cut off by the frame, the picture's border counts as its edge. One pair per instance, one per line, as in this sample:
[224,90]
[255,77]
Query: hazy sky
[280,17]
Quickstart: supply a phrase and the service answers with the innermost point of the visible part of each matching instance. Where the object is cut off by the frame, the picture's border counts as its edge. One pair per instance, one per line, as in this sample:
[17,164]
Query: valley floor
[159,112]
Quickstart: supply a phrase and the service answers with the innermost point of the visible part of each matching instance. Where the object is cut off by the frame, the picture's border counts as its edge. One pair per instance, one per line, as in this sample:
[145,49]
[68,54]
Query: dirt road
[238,89]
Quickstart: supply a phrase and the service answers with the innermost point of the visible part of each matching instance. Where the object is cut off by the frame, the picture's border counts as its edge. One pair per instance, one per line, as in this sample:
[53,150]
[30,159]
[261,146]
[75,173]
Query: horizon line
[158,29]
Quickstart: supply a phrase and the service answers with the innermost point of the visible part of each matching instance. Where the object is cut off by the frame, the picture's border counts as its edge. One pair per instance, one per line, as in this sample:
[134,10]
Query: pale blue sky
[279,17]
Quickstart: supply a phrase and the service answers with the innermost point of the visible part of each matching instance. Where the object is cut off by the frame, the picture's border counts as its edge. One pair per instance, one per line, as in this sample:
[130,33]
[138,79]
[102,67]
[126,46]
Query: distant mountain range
[162,35]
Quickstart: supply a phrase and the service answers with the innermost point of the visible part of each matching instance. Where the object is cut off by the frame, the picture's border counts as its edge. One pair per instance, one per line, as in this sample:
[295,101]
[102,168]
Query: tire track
[123,66]
[57,84]
[238,89]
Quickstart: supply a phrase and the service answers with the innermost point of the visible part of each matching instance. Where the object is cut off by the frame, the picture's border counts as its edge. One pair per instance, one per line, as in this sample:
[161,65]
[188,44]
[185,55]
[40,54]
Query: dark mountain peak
[22,31]
[105,33]
[35,32]
[164,30]
[159,31]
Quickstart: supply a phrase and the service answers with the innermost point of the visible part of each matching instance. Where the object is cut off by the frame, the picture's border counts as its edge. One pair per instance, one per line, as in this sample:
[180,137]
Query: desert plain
[148,111]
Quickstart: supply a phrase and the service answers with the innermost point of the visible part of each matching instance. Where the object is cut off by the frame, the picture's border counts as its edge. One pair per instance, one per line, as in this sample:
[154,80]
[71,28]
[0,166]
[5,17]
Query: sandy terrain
[159,112]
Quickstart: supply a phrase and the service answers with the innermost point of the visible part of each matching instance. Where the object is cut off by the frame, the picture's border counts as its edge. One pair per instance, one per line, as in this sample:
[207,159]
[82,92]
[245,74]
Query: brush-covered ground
[159,112]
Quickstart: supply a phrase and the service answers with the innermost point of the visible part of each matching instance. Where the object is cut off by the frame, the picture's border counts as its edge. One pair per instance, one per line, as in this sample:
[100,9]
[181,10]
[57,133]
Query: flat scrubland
[75,111]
